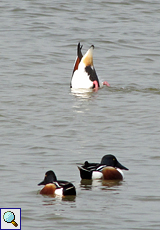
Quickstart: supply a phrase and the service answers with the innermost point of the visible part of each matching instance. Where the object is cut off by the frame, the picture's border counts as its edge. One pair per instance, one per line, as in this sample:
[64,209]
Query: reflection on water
[86,184]
[89,184]
[49,202]
[52,200]
[111,183]
[69,198]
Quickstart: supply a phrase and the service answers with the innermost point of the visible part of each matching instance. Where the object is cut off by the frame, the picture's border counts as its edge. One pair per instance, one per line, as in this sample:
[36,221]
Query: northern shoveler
[84,75]
[108,169]
[56,187]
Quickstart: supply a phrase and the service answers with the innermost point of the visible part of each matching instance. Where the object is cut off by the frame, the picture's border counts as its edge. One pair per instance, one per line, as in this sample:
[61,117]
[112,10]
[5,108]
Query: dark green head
[50,177]
[111,160]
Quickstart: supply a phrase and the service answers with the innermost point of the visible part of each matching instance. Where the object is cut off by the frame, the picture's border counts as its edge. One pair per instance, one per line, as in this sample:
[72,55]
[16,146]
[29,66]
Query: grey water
[46,126]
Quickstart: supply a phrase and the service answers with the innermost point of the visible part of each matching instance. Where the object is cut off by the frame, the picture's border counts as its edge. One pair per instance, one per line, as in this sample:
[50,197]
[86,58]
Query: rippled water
[46,126]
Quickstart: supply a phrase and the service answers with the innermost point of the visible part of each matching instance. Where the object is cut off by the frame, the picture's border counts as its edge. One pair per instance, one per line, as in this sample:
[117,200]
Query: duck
[56,187]
[84,75]
[108,169]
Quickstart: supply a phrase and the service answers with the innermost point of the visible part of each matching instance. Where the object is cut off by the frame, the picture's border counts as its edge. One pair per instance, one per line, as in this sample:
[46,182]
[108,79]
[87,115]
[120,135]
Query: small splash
[135,88]
[82,93]
[151,90]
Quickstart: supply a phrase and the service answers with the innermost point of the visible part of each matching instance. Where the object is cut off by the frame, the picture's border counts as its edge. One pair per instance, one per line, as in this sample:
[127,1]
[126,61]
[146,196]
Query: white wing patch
[97,175]
[59,191]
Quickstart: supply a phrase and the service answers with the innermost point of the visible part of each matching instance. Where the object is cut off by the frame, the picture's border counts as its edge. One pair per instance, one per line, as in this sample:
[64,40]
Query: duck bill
[42,183]
[118,165]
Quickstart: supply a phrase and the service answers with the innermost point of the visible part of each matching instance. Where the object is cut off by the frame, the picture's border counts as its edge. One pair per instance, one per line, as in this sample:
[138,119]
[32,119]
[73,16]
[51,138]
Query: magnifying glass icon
[9,217]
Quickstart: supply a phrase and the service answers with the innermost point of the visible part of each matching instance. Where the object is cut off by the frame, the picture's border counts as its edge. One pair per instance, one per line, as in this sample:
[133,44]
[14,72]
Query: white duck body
[80,79]
[84,75]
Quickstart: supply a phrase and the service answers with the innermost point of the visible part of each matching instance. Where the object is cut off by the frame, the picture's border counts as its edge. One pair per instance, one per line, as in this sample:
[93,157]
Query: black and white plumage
[84,75]
[56,187]
[109,169]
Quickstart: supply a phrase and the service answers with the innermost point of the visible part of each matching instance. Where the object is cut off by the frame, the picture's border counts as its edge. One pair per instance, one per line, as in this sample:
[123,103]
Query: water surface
[46,126]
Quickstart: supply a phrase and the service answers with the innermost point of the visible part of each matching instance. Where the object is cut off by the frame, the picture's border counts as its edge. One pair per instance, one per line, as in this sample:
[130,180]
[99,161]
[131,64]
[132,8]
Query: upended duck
[84,75]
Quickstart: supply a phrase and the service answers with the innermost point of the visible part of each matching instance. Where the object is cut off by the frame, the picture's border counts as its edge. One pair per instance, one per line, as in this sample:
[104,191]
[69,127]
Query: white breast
[119,170]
